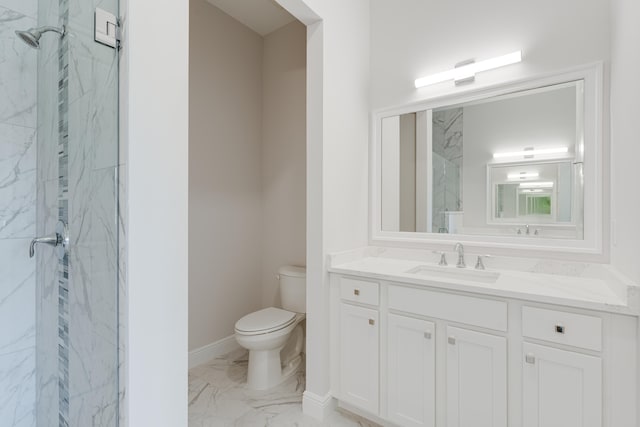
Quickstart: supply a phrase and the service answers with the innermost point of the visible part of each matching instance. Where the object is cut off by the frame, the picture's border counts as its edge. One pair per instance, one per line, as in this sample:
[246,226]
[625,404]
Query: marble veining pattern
[17,216]
[17,71]
[447,165]
[218,397]
[17,341]
[17,181]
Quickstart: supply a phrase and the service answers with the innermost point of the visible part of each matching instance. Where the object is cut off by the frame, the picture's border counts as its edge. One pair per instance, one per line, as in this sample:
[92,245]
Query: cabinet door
[411,371]
[476,379]
[359,357]
[561,388]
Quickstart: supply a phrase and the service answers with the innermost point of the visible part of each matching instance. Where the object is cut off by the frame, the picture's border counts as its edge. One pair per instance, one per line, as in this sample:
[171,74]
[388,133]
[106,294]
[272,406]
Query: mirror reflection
[509,164]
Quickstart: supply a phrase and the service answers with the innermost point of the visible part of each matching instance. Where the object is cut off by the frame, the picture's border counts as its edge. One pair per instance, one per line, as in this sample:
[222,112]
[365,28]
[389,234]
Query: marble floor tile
[218,397]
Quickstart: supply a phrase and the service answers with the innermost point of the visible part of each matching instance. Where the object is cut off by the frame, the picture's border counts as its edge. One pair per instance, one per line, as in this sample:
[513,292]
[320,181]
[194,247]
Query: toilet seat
[265,321]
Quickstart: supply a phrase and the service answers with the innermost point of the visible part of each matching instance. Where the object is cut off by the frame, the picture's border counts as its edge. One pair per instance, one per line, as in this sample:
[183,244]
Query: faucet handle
[479,263]
[443,257]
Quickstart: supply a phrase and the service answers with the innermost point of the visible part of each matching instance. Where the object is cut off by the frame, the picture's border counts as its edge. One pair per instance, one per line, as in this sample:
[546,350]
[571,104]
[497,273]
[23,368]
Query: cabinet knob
[356,291]
[452,340]
[530,358]
[427,335]
[560,329]
[372,322]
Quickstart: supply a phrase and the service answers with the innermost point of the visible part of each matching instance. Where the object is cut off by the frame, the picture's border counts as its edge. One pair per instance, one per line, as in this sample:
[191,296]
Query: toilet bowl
[274,336]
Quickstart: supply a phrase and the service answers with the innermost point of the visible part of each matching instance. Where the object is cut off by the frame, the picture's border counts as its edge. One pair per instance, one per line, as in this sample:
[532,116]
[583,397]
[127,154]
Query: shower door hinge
[107,28]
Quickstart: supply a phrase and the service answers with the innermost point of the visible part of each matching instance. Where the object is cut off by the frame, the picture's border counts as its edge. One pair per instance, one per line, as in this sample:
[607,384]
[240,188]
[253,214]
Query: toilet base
[268,368]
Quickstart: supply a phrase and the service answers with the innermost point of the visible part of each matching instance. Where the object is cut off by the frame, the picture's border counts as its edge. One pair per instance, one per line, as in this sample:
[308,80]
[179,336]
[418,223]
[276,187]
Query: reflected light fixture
[539,184]
[522,175]
[535,190]
[531,153]
[466,71]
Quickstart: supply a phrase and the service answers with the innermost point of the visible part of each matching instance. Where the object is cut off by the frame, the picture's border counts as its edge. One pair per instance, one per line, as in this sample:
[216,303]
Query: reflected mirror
[501,165]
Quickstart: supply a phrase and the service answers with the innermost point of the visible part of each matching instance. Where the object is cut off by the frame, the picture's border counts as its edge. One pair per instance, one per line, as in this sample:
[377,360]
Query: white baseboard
[318,407]
[211,351]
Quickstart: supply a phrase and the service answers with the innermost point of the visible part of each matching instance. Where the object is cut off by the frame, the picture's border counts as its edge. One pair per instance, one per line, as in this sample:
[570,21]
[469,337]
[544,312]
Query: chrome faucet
[460,249]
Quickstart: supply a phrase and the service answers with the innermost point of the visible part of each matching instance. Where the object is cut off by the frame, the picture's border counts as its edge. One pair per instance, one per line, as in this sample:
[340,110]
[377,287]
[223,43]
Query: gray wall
[247,167]
[284,150]
[225,115]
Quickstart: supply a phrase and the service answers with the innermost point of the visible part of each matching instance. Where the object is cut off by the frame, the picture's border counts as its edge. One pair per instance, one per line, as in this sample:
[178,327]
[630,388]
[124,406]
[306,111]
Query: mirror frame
[591,246]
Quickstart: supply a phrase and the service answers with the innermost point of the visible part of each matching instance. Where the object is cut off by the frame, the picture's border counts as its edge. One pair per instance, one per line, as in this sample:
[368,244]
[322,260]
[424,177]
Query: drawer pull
[356,291]
[452,340]
[372,322]
[530,358]
[427,335]
[560,329]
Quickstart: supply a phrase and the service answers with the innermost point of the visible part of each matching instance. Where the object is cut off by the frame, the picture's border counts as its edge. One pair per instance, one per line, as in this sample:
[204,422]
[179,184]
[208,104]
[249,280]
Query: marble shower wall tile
[448,137]
[17,71]
[17,181]
[47,309]
[48,110]
[93,334]
[123,332]
[17,341]
[93,125]
[17,215]
[28,7]
[447,164]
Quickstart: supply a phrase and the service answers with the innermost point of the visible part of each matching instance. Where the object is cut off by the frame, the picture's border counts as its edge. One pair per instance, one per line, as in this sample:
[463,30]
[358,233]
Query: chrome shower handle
[59,239]
[53,240]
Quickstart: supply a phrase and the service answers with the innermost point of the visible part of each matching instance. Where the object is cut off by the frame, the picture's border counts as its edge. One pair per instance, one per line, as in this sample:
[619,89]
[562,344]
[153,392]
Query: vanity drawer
[481,312]
[572,329]
[361,291]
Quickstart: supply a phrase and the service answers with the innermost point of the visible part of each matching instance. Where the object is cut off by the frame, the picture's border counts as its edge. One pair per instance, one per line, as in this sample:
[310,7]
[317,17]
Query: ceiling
[262,16]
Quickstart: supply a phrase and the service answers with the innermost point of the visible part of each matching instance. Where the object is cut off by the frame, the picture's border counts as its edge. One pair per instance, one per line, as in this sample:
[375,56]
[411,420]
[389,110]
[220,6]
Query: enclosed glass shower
[59,170]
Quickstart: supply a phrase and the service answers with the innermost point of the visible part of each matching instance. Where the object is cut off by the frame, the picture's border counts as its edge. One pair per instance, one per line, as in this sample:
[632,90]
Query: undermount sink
[453,273]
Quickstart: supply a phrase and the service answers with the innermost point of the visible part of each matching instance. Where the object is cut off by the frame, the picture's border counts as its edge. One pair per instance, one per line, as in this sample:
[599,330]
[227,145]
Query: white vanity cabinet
[561,388]
[359,344]
[476,379]
[415,355]
[411,358]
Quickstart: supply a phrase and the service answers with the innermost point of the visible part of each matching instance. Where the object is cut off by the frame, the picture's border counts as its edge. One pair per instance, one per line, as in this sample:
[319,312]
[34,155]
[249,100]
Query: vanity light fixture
[533,190]
[522,175]
[539,184]
[466,71]
[531,153]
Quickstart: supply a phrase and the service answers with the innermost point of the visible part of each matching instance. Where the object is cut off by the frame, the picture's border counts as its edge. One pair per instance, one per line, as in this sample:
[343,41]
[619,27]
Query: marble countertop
[581,285]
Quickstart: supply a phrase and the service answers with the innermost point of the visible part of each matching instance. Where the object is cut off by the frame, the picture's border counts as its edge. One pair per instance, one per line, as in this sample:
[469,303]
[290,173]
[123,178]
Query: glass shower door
[77,184]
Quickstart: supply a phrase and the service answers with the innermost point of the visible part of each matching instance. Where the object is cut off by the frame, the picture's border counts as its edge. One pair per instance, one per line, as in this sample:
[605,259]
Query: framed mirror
[520,163]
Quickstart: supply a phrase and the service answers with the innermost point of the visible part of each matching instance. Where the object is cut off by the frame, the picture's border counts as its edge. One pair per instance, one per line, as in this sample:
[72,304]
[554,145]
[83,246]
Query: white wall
[625,136]
[337,157]
[284,125]
[225,199]
[157,93]
[423,37]
[337,154]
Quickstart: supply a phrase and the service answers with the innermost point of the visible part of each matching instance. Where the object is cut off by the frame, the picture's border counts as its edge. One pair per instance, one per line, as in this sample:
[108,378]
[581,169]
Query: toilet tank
[293,288]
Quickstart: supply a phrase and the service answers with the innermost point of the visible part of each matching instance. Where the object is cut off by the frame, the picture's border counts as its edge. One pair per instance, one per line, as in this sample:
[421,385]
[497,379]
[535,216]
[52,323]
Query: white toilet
[274,336]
